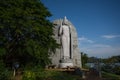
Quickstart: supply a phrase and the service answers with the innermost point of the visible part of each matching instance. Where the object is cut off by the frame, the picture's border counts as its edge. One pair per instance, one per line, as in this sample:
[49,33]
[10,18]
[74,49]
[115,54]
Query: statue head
[65,21]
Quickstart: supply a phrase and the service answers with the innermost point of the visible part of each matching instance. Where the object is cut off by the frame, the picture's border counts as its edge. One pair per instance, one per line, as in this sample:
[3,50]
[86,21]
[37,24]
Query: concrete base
[65,65]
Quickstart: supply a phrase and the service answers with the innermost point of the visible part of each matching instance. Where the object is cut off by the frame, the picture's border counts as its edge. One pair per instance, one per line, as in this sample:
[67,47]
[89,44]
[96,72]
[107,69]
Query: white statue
[65,37]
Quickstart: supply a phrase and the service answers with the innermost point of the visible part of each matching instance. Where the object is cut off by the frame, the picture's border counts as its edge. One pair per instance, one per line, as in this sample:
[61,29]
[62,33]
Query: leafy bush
[29,75]
[115,69]
[107,68]
[5,74]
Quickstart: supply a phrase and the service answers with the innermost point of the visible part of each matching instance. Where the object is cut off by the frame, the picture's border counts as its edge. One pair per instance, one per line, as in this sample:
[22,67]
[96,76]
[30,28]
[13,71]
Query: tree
[93,59]
[25,32]
[84,58]
[111,64]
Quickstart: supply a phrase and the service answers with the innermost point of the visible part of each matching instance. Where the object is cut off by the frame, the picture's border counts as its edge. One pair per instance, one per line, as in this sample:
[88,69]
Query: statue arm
[60,29]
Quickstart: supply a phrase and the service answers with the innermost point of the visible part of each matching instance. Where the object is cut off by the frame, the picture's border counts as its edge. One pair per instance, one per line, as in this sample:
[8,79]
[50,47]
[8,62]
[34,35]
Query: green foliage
[116,70]
[110,76]
[5,74]
[111,65]
[2,52]
[25,32]
[29,75]
[49,75]
[39,73]
[93,59]
[112,59]
[111,68]
[84,59]
[107,68]
[31,72]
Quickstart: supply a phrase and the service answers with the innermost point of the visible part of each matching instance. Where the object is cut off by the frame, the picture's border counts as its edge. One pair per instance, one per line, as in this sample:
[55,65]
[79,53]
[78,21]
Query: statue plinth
[64,63]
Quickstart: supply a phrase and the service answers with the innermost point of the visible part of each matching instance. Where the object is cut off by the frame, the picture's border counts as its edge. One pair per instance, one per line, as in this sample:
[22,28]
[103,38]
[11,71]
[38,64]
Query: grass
[110,76]
[58,75]
[50,75]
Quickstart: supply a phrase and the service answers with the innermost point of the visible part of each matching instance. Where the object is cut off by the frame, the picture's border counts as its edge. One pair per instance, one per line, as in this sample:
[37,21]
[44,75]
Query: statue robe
[66,41]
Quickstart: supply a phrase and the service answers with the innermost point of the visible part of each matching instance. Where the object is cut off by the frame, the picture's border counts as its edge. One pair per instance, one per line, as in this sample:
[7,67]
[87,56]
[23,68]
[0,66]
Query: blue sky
[97,23]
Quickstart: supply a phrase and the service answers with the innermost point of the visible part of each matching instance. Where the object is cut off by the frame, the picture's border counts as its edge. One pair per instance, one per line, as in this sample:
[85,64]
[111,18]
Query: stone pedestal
[64,63]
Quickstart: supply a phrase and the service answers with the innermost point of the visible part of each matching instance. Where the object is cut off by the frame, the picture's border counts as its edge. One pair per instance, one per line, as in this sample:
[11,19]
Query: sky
[97,23]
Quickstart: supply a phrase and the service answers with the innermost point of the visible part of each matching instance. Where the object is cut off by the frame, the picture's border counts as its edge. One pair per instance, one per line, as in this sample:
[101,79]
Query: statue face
[64,22]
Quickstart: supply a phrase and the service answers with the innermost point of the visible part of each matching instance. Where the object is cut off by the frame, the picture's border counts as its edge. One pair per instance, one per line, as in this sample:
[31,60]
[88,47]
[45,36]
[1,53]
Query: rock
[56,58]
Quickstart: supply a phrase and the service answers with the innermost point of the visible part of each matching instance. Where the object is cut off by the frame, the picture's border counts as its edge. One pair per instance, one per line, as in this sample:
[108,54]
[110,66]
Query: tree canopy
[25,32]
[84,58]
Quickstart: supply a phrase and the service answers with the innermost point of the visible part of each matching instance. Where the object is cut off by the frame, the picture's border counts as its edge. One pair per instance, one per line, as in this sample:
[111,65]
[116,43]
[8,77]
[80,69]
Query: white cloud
[101,46]
[101,50]
[110,36]
[84,39]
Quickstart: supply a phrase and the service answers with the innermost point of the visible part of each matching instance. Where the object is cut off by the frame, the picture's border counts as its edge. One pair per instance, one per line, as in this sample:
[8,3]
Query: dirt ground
[92,75]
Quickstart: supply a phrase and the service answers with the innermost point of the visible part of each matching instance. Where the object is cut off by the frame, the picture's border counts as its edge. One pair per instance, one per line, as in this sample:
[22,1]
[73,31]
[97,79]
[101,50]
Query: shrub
[5,74]
[29,75]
